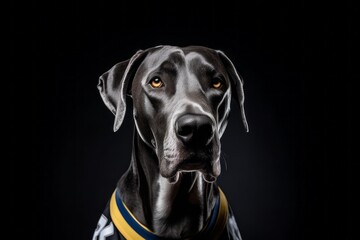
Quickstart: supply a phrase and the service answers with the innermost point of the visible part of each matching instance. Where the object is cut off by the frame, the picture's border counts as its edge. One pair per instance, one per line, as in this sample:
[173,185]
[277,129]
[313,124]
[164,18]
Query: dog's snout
[194,130]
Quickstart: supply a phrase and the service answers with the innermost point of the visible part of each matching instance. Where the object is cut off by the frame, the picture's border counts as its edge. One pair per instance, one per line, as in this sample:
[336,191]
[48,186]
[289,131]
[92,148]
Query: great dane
[181,103]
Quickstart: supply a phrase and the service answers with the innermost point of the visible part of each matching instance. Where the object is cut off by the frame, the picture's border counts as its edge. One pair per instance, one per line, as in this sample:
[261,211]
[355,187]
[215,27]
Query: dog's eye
[217,83]
[156,82]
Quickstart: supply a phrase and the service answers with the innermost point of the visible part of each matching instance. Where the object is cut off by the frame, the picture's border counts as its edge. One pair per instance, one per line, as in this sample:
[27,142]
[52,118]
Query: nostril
[185,130]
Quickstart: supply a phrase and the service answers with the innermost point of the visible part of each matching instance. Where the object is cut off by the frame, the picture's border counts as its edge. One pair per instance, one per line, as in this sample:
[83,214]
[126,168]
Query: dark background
[291,177]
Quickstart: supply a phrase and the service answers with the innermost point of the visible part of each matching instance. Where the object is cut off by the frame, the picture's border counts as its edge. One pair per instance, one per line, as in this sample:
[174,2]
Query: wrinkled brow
[168,67]
[203,68]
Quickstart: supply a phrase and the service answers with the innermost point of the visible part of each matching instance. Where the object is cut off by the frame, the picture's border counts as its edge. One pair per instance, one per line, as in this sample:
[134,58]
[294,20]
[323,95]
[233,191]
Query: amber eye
[217,83]
[156,82]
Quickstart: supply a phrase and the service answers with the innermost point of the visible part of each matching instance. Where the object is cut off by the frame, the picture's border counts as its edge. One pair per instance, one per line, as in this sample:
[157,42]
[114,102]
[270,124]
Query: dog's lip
[189,165]
[207,177]
[210,178]
[209,169]
[174,178]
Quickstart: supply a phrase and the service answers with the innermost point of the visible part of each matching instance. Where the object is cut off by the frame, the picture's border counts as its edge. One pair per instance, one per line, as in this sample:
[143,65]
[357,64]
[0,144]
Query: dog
[181,104]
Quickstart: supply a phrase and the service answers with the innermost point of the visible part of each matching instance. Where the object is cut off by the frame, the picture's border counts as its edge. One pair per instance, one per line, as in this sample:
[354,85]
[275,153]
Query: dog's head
[181,99]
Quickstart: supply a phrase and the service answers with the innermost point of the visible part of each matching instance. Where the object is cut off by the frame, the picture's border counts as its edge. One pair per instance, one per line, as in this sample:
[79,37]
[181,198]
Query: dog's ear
[236,85]
[113,85]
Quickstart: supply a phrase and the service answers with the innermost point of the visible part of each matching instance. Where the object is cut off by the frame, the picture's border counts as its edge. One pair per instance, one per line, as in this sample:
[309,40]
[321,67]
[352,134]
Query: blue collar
[132,229]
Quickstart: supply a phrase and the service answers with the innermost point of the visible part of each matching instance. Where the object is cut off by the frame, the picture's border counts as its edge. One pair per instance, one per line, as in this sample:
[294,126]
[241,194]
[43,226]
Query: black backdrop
[291,177]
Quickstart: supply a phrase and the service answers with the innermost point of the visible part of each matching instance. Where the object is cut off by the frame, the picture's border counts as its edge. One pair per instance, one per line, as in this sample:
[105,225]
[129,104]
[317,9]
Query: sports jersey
[117,222]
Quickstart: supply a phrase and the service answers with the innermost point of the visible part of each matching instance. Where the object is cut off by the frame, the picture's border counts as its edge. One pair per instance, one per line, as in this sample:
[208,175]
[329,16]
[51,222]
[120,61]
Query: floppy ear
[236,85]
[113,86]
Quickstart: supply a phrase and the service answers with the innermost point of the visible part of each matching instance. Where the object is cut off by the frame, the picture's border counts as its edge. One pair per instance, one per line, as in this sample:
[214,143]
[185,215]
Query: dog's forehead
[191,56]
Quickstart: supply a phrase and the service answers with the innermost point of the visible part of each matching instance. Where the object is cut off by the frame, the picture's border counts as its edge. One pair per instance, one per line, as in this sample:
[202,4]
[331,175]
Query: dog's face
[181,99]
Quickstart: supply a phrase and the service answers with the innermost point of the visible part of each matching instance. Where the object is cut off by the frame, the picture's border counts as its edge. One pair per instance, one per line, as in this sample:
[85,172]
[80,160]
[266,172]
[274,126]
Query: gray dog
[181,103]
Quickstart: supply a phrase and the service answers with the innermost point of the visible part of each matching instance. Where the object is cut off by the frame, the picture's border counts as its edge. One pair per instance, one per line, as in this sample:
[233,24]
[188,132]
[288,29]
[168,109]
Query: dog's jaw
[177,160]
[207,177]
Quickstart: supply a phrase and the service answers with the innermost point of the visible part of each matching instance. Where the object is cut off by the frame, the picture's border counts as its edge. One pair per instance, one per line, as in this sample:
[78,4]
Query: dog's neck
[170,210]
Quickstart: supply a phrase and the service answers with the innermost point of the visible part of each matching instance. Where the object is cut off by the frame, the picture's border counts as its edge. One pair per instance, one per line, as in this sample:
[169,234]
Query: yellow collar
[132,229]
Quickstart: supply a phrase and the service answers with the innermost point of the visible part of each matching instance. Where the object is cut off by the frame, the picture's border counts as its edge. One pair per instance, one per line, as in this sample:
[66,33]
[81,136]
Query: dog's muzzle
[196,133]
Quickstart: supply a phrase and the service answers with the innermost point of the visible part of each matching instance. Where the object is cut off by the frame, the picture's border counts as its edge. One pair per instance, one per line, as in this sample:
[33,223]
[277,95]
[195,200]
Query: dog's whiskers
[223,160]
[194,180]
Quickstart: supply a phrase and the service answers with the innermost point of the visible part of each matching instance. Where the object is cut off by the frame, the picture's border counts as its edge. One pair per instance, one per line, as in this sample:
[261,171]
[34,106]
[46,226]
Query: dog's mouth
[209,170]
[207,177]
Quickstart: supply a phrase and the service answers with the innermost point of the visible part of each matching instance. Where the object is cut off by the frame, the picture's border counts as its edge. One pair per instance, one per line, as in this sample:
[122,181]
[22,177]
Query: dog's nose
[194,130]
